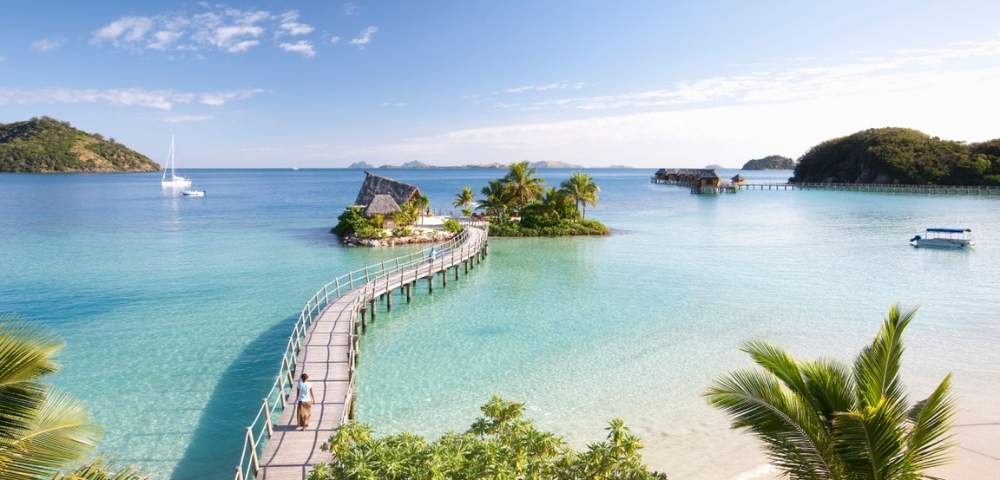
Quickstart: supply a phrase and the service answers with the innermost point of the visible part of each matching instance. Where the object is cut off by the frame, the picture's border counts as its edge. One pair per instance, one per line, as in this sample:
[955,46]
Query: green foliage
[825,420]
[464,200]
[452,225]
[898,155]
[402,232]
[499,445]
[42,430]
[377,220]
[770,162]
[581,189]
[100,470]
[48,145]
[350,221]
[549,212]
[354,221]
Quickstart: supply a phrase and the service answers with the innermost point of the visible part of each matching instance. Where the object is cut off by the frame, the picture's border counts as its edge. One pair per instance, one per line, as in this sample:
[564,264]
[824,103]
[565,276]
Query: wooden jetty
[877,187]
[325,344]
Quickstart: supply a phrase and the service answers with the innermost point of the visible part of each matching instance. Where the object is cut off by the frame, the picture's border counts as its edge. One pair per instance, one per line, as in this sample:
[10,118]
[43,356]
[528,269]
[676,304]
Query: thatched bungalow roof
[375,185]
[381,205]
[687,172]
[738,178]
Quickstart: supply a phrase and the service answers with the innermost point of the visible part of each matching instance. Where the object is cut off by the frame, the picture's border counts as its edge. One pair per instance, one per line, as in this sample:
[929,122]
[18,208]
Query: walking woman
[306,400]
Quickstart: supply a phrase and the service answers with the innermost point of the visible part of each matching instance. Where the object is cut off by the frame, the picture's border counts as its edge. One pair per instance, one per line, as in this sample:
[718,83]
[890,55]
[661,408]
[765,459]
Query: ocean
[175,310]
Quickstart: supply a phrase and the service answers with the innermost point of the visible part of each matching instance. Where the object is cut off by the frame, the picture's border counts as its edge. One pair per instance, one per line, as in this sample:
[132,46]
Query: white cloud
[351,8]
[546,87]
[124,31]
[290,24]
[216,27]
[365,37]
[897,70]
[46,44]
[185,118]
[131,97]
[302,47]
[334,39]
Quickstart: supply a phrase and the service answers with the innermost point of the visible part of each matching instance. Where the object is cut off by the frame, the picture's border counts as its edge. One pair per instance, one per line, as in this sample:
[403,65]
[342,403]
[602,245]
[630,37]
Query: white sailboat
[175,181]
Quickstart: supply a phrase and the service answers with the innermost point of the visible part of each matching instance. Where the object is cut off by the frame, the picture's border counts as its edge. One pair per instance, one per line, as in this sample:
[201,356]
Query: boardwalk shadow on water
[217,441]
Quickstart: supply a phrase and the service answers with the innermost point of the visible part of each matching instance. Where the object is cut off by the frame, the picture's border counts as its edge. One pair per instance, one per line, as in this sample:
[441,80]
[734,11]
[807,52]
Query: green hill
[900,155]
[770,162]
[45,145]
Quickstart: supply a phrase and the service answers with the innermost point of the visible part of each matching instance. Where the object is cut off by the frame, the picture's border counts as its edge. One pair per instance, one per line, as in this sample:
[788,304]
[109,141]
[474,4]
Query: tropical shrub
[370,231]
[452,225]
[499,445]
[825,420]
[351,221]
[402,232]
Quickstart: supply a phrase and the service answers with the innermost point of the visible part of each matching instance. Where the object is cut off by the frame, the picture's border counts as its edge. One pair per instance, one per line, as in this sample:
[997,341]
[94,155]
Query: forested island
[770,162]
[47,145]
[900,156]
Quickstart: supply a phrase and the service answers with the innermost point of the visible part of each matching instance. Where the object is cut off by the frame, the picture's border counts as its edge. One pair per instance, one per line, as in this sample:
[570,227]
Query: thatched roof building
[381,204]
[376,185]
[738,179]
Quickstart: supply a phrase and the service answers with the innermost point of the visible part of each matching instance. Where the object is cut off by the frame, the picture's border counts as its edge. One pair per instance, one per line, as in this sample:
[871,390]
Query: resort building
[383,195]
[696,178]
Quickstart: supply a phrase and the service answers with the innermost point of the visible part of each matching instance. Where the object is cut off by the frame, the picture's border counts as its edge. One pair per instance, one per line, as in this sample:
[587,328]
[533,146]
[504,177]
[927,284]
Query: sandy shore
[738,456]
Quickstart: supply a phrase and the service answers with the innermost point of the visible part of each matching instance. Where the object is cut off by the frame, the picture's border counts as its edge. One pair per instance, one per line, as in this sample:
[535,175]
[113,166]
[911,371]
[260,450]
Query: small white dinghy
[952,238]
[193,193]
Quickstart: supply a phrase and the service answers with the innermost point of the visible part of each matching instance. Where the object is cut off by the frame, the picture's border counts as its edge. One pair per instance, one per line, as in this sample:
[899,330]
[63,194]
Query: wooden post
[388,301]
[267,417]
[430,283]
[409,292]
[466,263]
[254,462]
[444,278]
[354,401]
[456,272]
[372,304]
[239,473]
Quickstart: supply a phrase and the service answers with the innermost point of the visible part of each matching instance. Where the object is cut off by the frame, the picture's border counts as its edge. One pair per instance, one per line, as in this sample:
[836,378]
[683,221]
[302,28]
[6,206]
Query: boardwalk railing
[370,279]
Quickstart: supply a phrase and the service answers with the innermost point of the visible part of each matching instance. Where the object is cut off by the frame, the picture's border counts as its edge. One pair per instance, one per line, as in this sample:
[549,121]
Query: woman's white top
[305,390]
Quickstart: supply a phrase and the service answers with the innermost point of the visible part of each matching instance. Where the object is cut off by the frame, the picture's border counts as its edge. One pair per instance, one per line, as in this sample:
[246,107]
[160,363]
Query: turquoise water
[174,310]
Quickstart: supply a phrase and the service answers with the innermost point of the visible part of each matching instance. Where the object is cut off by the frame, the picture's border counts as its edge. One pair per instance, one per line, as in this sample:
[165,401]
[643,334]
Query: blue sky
[657,83]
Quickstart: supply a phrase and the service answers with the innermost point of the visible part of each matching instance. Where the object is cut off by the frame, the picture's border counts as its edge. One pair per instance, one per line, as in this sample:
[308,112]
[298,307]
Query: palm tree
[41,430]
[464,200]
[496,199]
[582,190]
[421,203]
[824,420]
[525,187]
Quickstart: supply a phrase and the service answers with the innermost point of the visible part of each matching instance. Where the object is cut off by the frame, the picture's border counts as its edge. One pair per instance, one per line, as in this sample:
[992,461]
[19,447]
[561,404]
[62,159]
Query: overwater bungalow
[738,179]
[699,179]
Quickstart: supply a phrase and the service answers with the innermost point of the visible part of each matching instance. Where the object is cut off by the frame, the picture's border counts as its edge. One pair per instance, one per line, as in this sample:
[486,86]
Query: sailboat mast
[172,155]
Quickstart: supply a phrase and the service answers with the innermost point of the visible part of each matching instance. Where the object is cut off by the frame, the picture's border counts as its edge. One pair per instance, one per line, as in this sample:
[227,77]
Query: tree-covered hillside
[770,162]
[900,155]
[43,145]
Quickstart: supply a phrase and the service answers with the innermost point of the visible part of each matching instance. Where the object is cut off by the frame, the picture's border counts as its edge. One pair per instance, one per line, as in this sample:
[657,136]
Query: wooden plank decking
[291,453]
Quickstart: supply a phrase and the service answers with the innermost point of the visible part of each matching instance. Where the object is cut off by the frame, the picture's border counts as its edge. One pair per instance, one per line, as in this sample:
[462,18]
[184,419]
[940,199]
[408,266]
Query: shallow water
[174,310]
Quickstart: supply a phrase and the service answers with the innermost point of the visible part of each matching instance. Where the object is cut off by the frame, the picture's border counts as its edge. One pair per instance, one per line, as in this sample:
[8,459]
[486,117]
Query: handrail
[284,382]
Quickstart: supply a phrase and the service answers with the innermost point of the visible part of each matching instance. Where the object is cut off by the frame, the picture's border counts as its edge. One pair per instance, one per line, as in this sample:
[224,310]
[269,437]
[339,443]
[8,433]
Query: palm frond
[876,370]
[796,443]
[929,439]
[62,433]
[871,441]
[100,469]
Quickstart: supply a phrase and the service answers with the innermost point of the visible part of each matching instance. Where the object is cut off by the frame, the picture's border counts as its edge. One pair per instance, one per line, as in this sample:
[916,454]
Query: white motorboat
[952,238]
[175,181]
[193,193]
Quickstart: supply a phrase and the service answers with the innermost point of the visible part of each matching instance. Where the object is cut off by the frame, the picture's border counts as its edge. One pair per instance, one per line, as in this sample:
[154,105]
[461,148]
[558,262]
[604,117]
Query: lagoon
[175,310]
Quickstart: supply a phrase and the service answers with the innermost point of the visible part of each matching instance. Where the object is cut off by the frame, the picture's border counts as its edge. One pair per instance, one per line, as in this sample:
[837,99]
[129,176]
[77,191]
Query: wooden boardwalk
[324,344]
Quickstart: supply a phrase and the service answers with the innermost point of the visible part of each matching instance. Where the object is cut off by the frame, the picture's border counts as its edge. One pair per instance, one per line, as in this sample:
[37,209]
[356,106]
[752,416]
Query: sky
[642,83]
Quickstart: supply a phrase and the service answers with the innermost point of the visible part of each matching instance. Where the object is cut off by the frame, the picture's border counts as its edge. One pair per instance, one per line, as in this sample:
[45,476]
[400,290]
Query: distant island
[416,164]
[900,156]
[714,166]
[47,145]
[770,162]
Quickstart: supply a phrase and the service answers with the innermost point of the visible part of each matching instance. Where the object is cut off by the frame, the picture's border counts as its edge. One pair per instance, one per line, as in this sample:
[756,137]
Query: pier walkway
[324,344]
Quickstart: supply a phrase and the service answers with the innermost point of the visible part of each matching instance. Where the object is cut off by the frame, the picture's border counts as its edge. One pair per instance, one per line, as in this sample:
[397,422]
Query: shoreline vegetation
[517,205]
[520,205]
[900,156]
[46,145]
